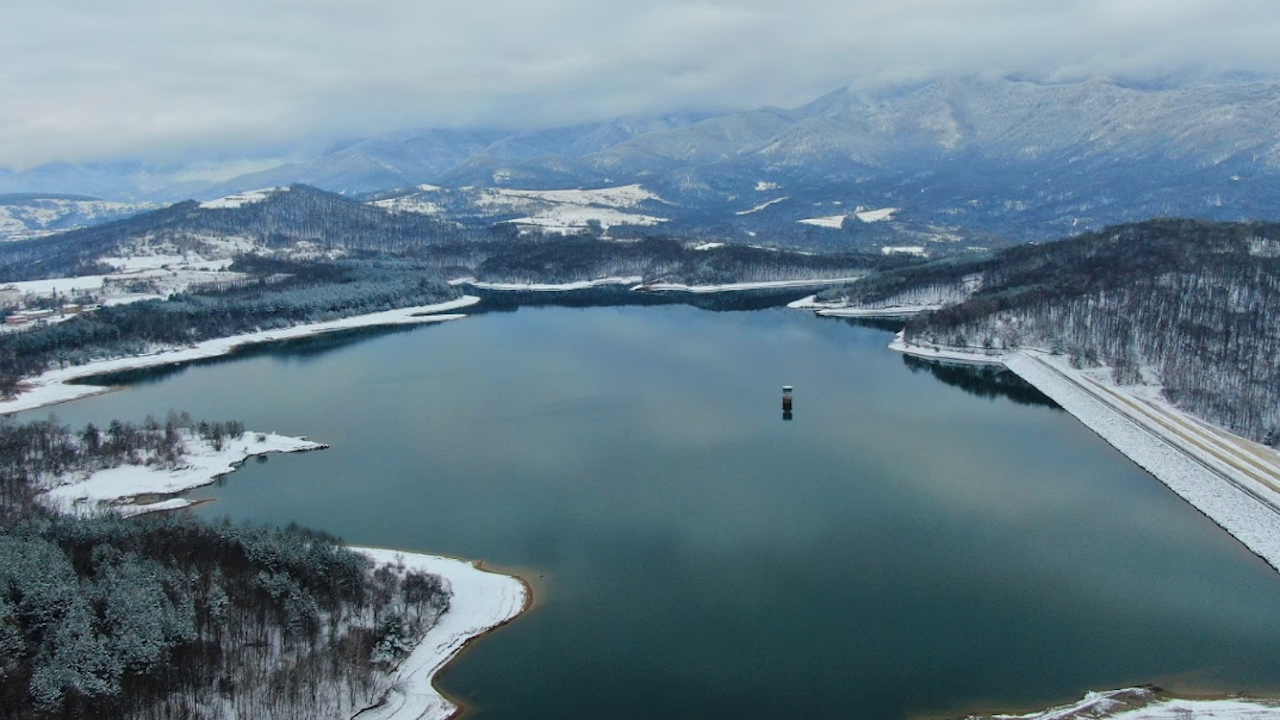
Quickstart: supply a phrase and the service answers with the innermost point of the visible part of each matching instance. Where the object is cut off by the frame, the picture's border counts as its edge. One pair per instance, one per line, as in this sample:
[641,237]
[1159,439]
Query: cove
[912,543]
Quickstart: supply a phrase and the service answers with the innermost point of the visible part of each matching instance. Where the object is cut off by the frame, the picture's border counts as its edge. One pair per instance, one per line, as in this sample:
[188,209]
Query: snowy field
[834,222]
[53,386]
[479,602]
[241,199]
[570,219]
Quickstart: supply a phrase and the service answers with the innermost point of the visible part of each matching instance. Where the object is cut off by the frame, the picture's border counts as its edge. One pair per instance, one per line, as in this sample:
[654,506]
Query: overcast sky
[167,79]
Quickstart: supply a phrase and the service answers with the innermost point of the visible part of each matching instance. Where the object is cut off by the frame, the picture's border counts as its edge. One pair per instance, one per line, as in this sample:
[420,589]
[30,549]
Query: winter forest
[168,617]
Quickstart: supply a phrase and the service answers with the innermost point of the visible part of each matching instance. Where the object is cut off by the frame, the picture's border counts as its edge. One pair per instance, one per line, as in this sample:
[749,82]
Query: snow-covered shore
[842,308]
[119,488]
[55,386]
[550,287]
[732,287]
[480,601]
[637,284]
[1233,481]
[1144,704]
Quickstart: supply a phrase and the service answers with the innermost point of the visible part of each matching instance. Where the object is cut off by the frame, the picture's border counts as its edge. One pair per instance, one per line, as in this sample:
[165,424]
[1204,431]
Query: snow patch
[202,465]
[479,601]
[761,206]
[871,216]
[917,250]
[241,199]
[763,186]
[570,219]
[834,222]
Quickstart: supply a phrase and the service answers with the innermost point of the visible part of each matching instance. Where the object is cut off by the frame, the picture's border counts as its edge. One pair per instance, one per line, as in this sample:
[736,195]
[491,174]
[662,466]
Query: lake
[911,543]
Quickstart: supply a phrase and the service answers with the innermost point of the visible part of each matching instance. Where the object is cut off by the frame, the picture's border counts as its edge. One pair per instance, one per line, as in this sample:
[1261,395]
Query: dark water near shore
[902,547]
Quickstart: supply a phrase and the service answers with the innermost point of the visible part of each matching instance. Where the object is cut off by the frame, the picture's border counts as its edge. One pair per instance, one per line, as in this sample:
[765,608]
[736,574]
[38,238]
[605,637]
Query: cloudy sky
[174,79]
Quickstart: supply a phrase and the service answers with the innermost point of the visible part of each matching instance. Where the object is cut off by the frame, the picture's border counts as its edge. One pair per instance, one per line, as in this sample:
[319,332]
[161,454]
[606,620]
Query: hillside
[1186,305]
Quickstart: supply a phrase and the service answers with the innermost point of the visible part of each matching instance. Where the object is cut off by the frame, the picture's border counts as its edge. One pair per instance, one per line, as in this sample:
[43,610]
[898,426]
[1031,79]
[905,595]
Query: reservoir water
[903,547]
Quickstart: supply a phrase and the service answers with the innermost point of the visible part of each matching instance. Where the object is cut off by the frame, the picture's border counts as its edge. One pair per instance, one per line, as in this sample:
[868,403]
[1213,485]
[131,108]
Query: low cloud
[162,81]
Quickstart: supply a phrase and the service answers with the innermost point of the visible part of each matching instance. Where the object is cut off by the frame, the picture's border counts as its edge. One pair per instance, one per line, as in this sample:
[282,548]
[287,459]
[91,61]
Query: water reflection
[298,350]
[619,295]
[984,381]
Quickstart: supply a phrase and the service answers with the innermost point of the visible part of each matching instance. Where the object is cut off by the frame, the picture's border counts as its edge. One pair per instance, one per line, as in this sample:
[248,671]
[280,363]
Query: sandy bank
[54,386]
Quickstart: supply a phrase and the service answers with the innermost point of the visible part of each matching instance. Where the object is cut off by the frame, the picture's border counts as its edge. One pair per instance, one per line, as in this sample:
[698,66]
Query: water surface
[901,547]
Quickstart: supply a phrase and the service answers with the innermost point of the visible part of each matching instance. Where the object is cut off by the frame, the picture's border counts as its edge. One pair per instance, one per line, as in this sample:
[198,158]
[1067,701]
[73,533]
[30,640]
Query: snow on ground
[890,310]
[831,221]
[623,196]
[730,287]
[65,286]
[53,386]
[917,250]
[761,206]
[870,216]
[241,199]
[410,204]
[762,186]
[202,465]
[479,602]
[551,287]
[569,219]
[40,217]
[1234,482]
[707,246]
[1143,704]
[810,302]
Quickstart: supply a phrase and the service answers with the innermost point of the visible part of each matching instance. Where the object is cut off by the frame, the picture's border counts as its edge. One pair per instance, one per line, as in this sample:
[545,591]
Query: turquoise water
[902,547]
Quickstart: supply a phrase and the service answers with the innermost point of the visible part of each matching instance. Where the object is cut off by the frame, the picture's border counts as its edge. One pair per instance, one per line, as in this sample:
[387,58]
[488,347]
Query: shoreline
[54,387]
[117,489]
[1232,481]
[480,603]
[1145,703]
[636,284]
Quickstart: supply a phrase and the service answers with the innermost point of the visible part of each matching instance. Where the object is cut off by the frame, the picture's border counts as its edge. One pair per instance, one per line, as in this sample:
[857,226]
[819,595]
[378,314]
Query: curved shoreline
[54,386]
[480,602]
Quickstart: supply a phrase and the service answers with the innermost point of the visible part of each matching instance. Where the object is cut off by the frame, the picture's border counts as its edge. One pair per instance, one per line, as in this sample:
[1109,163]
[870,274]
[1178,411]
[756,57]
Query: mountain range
[968,161]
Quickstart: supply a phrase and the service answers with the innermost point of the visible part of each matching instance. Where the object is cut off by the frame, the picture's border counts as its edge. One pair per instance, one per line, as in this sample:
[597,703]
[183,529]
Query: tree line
[279,293]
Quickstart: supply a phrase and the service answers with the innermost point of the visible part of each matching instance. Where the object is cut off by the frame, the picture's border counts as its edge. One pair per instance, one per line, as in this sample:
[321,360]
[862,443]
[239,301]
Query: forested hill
[275,218]
[1192,305]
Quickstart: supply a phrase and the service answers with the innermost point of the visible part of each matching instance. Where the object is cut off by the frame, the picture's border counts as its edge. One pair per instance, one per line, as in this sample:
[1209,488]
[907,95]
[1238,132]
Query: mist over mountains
[971,161]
